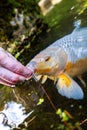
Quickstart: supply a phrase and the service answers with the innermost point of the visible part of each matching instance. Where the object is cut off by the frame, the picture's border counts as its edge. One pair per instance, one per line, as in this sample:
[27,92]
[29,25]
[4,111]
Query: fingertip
[28,72]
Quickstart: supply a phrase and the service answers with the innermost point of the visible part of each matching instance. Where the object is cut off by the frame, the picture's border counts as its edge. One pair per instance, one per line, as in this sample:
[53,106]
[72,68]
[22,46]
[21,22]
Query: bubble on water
[12,86]
[72,105]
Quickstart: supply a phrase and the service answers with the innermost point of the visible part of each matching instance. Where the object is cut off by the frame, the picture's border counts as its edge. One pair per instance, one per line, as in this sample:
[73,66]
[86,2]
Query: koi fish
[61,61]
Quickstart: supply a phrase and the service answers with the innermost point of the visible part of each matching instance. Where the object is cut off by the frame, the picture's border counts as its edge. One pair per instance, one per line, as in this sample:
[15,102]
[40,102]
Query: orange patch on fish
[69,65]
[64,80]
[41,71]
[74,69]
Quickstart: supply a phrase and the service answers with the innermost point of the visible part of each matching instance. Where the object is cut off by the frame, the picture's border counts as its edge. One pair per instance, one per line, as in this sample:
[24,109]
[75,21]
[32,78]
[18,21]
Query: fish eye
[47,58]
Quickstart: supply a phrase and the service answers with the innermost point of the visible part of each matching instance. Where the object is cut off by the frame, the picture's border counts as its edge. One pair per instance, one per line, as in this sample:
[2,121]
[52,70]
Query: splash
[12,116]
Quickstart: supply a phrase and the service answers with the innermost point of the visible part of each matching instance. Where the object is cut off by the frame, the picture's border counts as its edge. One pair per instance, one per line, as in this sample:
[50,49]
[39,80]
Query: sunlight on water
[12,115]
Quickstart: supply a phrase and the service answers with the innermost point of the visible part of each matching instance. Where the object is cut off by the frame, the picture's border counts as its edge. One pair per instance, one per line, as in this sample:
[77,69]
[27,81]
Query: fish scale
[71,44]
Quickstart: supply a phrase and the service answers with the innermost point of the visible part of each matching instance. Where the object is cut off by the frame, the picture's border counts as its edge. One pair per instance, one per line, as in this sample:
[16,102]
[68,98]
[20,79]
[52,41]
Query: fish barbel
[61,61]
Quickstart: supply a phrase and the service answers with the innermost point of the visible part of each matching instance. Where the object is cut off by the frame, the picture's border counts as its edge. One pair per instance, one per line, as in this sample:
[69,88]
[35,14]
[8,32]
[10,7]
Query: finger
[4,82]
[9,76]
[9,62]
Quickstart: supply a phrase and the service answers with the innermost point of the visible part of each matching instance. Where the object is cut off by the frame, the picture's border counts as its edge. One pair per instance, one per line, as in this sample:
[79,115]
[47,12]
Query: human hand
[11,70]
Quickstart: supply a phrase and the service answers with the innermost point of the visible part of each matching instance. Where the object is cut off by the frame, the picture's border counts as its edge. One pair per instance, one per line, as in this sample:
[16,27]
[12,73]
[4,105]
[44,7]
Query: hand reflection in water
[12,71]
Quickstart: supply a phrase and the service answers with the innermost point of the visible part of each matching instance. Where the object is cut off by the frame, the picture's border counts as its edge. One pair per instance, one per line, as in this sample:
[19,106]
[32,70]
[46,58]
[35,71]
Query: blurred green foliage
[7,7]
[66,9]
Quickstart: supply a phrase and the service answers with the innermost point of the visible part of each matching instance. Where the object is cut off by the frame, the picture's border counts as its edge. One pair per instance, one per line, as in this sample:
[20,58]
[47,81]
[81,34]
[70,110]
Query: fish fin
[82,81]
[69,88]
[44,78]
[37,77]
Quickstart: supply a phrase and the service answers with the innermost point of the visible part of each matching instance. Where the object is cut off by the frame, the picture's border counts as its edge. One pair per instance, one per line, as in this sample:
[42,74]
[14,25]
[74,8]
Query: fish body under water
[61,61]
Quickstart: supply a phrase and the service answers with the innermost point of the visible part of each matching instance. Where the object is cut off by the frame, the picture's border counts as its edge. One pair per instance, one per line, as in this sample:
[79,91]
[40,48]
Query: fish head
[50,61]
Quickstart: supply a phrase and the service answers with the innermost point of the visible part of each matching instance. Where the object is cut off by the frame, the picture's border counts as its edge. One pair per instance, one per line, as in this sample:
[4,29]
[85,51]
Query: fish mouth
[46,69]
[39,68]
[47,65]
[42,70]
[32,65]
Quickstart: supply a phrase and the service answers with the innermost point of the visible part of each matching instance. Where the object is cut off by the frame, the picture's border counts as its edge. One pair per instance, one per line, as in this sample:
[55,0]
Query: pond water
[32,106]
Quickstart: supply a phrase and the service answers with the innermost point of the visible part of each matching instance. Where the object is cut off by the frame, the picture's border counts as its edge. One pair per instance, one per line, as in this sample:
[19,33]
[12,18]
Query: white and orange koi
[61,61]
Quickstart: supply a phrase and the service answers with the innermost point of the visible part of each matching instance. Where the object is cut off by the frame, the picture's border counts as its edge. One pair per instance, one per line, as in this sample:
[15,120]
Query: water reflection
[28,94]
[13,115]
[18,104]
